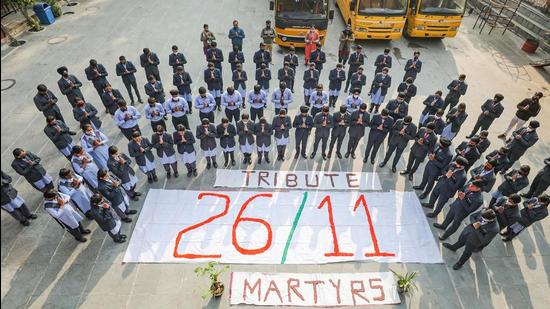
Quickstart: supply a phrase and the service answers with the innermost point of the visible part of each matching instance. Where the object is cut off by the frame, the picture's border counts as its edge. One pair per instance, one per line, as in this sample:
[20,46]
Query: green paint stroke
[294,224]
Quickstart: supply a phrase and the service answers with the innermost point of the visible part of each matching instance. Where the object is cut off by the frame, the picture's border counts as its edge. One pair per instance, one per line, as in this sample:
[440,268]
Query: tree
[13,41]
[23,6]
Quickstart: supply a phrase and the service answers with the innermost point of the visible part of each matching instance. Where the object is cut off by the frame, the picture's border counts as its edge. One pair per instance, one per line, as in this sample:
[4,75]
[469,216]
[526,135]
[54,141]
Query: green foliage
[56,9]
[34,24]
[405,282]
[212,271]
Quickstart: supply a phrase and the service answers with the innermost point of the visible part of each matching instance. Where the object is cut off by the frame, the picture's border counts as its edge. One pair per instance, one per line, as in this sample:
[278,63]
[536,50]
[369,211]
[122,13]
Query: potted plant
[212,271]
[23,6]
[56,9]
[405,283]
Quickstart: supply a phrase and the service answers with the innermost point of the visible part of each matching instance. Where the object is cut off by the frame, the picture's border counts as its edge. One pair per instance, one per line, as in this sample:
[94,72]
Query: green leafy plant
[405,283]
[56,9]
[212,271]
[23,6]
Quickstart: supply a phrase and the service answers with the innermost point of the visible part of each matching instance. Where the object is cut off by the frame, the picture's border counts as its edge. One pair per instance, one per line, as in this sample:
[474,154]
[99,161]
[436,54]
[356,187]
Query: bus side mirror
[331,14]
[271,5]
[352,5]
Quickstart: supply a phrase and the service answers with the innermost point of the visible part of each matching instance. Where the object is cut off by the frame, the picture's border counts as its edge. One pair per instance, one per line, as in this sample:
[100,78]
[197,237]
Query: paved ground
[42,267]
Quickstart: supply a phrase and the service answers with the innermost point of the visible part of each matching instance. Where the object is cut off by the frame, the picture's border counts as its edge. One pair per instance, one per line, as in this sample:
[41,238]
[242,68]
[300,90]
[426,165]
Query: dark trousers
[315,111]
[483,125]
[512,158]
[128,132]
[258,113]
[428,181]
[538,186]
[324,140]
[173,165]
[161,122]
[154,72]
[441,197]
[413,163]
[352,143]
[180,120]
[115,237]
[234,114]
[450,101]
[454,219]
[99,87]
[129,85]
[398,153]
[336,140]
[373,144]
[301,144]
[77,232]
[209,116]
[120,213]
[468,248]
[21,214]
[348,81]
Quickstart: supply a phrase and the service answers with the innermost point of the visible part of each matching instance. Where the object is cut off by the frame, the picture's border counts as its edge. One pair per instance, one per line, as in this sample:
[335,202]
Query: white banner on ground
[331,290]
[293,227]
[308,180]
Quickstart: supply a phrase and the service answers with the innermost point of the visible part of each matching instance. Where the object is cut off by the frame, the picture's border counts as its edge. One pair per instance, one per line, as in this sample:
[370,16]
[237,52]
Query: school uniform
[454,122]
[483,145]
[486,176]
[541,182]
[110,100]
[205,106]
[432,105]
[47,104]
[61,139]
[501,160]
[381,62]
[453,96]
[293,63]
[353,103]
[70,87]
[318,57]
[263,132]
[13,203]
[490,110]
[239,79]
[435,168]
[107,221]
[150,63]
[186,149]
[336,78]
[281,128]
[509,185]
[398,142]
[262,56]
[322,124]
[235,58]
[459,210]
[215,55]
[98,76]
[214,83]
[116,196]
[246,137]
[232,104]
[155,90]
[356,60]
[527,216]
[145,160]
[96,145]
[287,76]
[87,170]
[317,101]
[79,193]
[379,129]
[126,71]
[127,121]
[302,134]
[30,168]
[518,144]
[378,93]
[120,166]
[258,102]
[175,60]
[79,114]
[65,215]
[357,82]
[470,153]
[420,151]
[445,189]
[155,114]
[165,151]
[183,82]
[358,122]
[408,89]
[412,68]
[281,99]
[263,76]
[178,108]
[340,124]
[507,215]
[439,123]
[311,79]
[207,138]
[397,110]
[227,140]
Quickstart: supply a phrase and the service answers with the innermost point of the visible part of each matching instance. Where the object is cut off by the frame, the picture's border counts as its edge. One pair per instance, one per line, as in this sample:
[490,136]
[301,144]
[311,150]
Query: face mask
[400,101]
[355,96]
[65,74]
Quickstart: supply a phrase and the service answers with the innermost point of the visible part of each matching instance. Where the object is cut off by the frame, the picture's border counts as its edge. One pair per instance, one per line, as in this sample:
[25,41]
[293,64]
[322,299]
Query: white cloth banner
[322,289]
[309,180]
[293,227]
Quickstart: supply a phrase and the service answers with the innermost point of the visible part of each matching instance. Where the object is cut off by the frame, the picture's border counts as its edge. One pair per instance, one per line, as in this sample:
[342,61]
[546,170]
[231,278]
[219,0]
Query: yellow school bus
[375,19]
[434,18]
[293,18]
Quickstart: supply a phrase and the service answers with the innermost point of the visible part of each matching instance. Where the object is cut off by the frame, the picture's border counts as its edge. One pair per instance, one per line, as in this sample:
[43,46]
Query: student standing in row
[164,144]
[281,124]
[140,148]
[184,140]
[13,203]
[27,164]
[126,70]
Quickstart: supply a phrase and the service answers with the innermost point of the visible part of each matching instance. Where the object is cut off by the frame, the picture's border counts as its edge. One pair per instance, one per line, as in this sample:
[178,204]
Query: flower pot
[400,290]
[217,289]
[530,46]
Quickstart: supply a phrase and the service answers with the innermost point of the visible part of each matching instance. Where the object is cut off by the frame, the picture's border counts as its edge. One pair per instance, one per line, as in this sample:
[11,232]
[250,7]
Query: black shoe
[405,172]
[155,178]
[140,101]
[507,239]
[86,231]
[195,172]
[219,108]
[25,223]
[418,188]
[32,216]
[442,237]
[119,240]
[304,156]
[346,155]
[365,160]
[81,239]
[469,136]
[208,165]
[426,205]
[457,266]
[226,163]
[449,246]
[411,177]
[329,155]
[168,175]
[176,174]
[382,164]
[150,179]
[189,173]
[134,198]
[422,196]
[137,193]
[324,156]
[393,169]
[123,236]
[259,161]
[525,195]
[431,215]
[127,220]
[439,226]
[131,212]
[296,156]
[339,155]
[233,162]
[267,160]
[353,156]
[312,156]
[372,161]
[215,164]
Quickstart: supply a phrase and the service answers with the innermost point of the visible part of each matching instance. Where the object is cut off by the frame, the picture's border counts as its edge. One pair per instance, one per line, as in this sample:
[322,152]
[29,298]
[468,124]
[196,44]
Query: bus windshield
[302,9]
[450,7]
[382,7]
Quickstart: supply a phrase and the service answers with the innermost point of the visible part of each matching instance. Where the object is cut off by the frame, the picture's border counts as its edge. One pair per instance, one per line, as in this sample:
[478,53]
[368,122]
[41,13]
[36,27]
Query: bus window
[373,7]
[452,7]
